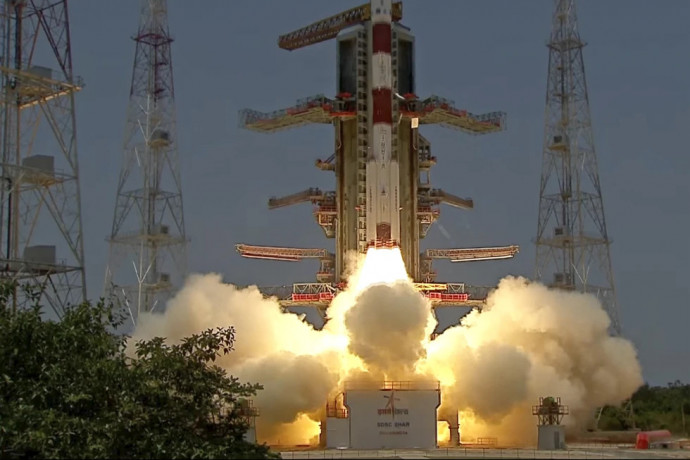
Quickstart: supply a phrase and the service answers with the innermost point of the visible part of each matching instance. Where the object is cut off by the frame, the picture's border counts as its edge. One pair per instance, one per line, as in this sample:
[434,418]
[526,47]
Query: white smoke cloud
[292,385]
[388,327]
[272,348]
[261,328]
[528,342]
[490,378]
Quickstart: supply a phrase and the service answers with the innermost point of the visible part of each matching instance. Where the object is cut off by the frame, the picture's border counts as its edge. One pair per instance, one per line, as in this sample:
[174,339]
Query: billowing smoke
[261,327]
[528,342]
[293,385]
[277,350]
[531,341]
[388,328]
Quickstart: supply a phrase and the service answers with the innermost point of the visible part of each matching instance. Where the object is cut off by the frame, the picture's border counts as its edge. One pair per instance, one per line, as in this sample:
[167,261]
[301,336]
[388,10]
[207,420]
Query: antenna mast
[41,244]
[148,240]
[572,241]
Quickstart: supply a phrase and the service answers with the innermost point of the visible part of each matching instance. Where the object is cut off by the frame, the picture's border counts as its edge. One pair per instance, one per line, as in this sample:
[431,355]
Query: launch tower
[381,162]
[41,244]
[572,241]
[148,240]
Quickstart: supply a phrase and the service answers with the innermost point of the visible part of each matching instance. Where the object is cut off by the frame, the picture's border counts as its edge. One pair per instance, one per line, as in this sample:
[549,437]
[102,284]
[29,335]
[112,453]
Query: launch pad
[392,415]
[383,196]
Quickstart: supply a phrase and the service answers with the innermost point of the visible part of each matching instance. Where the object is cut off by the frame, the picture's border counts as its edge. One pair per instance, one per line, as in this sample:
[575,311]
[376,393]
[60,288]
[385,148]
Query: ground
[573,451]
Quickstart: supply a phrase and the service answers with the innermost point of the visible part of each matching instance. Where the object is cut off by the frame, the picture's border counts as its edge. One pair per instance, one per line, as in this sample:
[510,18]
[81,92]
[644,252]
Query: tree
[655,408]
[68,389]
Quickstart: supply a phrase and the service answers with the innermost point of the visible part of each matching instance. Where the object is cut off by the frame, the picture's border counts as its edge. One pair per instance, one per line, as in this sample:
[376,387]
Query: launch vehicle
[382,171]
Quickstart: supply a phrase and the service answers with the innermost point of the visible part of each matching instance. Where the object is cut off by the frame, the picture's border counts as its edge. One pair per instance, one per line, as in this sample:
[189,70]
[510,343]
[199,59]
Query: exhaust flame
[529,341]
[381,266]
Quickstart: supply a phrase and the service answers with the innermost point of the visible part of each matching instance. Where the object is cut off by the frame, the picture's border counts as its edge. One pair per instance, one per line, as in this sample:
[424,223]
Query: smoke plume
[528,342]
[388,326]
[293,385]
[531,341]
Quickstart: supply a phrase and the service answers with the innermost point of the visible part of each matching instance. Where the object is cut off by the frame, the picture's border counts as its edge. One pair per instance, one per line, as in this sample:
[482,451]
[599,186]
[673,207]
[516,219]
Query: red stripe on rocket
[382,171]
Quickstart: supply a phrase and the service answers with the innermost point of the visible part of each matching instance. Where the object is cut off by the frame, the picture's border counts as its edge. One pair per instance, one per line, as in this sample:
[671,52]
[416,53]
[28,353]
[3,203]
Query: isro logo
[390,409]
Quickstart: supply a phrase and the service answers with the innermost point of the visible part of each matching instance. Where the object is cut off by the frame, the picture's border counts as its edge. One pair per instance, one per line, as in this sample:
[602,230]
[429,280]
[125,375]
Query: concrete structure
[550,413]
[391,415]
[381,162]
[336,434]
[550,437]
[453,421]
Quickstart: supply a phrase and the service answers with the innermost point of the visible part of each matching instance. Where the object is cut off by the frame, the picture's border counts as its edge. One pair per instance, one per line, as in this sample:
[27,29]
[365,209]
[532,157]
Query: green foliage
[653,408]
[68,389]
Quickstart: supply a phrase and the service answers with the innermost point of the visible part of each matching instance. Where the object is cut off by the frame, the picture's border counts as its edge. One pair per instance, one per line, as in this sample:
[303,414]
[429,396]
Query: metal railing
[393,385]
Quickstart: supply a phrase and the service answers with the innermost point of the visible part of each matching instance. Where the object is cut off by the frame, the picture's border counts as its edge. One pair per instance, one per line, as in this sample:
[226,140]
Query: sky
[486,56]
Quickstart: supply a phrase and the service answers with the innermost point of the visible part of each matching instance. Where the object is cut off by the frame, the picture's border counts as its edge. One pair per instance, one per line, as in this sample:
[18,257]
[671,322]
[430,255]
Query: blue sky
[486,56]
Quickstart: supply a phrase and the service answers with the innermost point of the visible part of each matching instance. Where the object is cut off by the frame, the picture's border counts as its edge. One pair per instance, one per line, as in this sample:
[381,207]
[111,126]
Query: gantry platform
[320,109]
[320,295]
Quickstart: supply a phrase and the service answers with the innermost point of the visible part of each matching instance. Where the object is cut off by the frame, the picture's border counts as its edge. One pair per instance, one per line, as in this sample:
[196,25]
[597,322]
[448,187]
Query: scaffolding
[41,239]
[470,254]
[438,110]
[310,110]
[148,258]
[572,243]
[319,109]
[320,295]
[550,411]
[342,213]
[329,27]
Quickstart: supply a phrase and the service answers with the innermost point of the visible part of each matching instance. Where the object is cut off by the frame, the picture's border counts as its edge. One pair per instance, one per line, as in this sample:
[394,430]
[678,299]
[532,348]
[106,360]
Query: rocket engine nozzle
[384,239]
[383,244]
[383,232]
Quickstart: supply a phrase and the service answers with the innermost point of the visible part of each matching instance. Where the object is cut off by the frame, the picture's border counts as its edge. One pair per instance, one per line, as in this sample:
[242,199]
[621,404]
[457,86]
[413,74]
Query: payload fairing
[382,171]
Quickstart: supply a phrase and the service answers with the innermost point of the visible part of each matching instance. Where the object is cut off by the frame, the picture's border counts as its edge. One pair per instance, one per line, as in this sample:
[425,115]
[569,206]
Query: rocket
[382,171]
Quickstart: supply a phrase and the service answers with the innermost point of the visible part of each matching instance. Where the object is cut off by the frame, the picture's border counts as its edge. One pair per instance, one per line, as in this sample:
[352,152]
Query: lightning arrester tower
[41,243]
[572,242]
[148,240]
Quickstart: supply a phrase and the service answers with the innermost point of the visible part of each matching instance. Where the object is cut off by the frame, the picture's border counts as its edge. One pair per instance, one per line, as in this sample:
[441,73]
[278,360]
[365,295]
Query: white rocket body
[382,171]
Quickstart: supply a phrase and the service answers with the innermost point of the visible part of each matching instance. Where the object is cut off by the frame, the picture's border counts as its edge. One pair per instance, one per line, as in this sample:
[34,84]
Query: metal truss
[320,295]
[472,254]
[319,109]
[438,110]
[572,241]
[342,214]
[328,28]
[148,257]
[41,243]
[280,253]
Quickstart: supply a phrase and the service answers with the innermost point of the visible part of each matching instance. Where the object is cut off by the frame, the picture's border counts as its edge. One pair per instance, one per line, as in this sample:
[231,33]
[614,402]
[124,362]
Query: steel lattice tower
[148,241]
[41,241]
[572,241]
